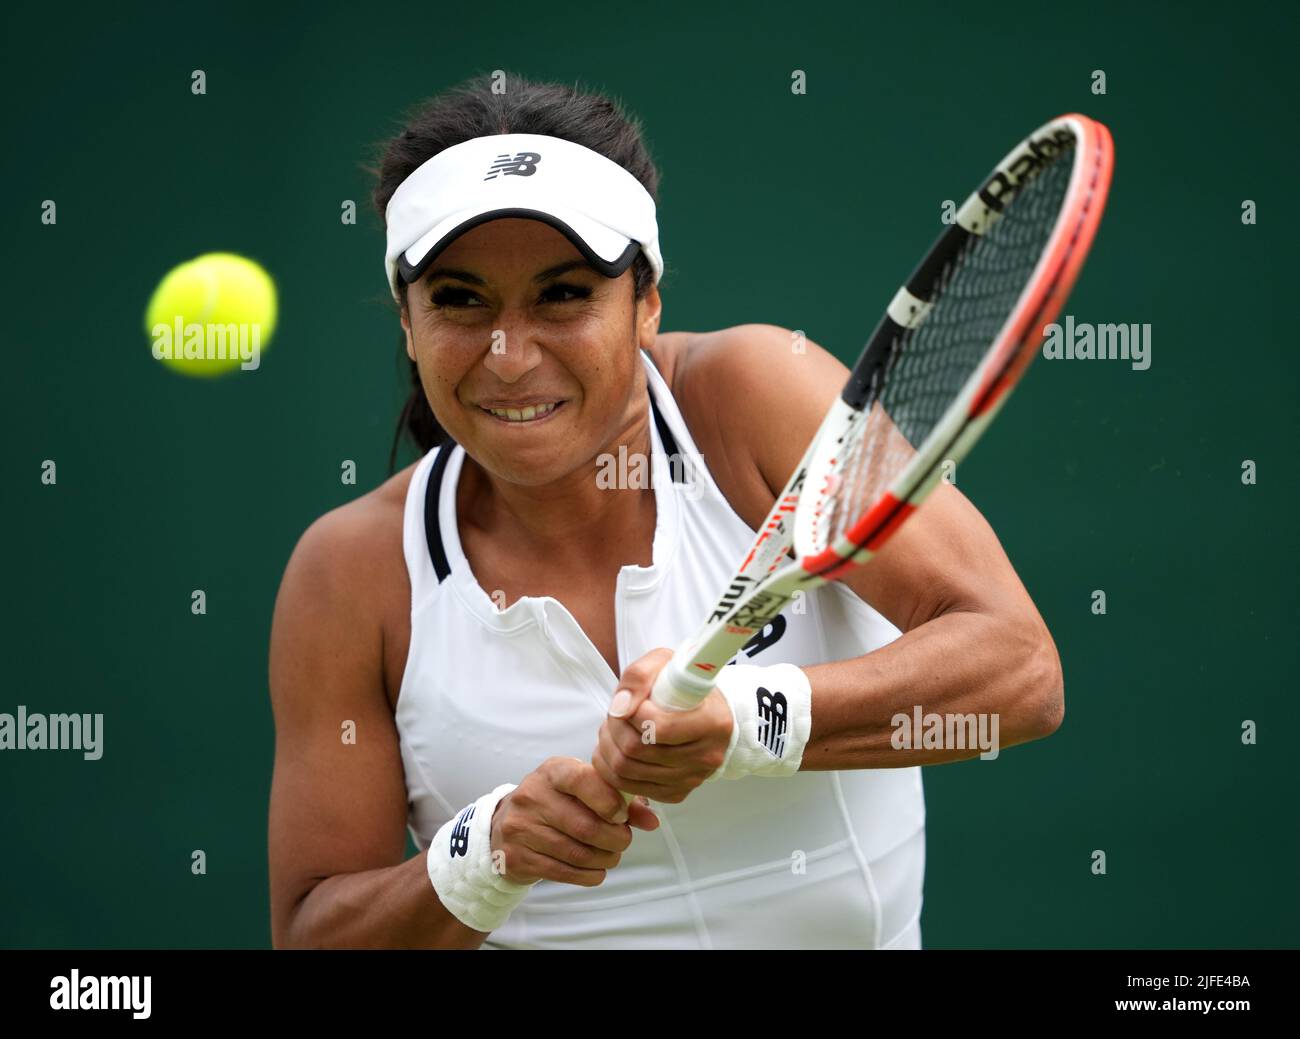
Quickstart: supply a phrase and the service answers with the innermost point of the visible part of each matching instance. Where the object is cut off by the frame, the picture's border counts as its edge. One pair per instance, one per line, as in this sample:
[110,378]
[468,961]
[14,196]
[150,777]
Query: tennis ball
[212,315]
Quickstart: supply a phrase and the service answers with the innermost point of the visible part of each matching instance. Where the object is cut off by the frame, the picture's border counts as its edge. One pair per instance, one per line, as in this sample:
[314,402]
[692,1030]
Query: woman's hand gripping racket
[951,345]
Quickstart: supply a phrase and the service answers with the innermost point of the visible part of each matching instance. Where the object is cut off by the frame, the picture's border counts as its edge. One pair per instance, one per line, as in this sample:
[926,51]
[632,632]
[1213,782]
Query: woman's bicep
[945,557]
[778,387]
[338,799]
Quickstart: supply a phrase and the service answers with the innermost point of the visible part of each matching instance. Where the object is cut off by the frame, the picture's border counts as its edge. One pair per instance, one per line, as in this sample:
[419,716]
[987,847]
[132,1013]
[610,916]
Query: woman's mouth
[529,415]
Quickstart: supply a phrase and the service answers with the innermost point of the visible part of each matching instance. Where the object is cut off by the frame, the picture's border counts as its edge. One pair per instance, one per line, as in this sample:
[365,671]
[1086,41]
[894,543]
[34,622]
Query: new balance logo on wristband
[773,719]
[460,832]
[771,727]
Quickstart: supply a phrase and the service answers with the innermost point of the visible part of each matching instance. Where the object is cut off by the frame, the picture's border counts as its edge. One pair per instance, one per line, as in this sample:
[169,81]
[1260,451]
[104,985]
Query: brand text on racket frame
[1084,341]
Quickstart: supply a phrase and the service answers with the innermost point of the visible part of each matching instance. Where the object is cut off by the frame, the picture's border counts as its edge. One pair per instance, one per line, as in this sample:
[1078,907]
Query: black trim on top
[432,527]
[668,440]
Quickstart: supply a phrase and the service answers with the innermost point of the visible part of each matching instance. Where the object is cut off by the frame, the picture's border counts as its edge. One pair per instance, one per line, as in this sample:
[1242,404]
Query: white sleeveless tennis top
[814,860]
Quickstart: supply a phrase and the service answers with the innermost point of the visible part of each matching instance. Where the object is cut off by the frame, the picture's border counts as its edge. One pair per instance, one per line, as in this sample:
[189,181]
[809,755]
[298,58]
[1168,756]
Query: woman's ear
[406,329]
[649,310]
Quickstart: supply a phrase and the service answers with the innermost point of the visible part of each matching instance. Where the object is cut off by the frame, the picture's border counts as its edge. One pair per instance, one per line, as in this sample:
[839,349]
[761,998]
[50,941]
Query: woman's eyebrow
[564,268]
[458,273]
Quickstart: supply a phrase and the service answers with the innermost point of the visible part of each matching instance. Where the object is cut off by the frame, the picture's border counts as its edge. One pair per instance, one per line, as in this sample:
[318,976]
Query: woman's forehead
[505,247]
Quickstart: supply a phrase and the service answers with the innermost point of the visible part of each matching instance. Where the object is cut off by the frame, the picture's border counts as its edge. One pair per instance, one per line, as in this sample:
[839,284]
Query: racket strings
[871,446]
[974,295]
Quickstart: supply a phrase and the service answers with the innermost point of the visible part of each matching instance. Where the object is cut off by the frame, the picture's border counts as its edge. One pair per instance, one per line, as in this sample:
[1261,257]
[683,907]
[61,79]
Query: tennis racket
[951,345]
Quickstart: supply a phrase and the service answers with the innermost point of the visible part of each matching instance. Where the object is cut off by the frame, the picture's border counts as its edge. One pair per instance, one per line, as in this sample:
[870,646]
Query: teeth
[525,414]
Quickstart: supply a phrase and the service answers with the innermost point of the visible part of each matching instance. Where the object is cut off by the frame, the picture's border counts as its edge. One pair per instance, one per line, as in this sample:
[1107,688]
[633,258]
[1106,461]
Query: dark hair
[473,109]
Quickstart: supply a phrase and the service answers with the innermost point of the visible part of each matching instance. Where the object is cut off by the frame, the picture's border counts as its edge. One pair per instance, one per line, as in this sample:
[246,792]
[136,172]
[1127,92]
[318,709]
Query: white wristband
[771,708]
[461,867]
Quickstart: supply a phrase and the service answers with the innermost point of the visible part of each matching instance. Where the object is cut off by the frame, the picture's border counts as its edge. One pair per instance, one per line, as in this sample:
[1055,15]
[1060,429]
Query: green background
[800,211]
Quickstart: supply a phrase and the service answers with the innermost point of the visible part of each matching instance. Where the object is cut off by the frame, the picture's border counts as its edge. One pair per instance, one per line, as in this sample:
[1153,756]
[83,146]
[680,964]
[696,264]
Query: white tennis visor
[601,208]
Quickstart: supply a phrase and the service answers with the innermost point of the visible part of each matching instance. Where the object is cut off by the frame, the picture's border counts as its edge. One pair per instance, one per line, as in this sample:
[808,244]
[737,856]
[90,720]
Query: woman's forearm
[395,907]
[977,682]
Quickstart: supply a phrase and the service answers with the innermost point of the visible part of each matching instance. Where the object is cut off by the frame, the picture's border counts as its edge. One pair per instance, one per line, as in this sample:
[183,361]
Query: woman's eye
[454,297]
[449,296]
[565,293]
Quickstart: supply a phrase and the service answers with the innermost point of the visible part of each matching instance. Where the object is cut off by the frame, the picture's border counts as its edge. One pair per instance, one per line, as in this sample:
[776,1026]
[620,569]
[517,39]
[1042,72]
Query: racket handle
[679,690]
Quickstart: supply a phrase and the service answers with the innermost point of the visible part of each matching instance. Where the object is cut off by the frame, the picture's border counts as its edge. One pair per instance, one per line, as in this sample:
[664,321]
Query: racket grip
[679,690]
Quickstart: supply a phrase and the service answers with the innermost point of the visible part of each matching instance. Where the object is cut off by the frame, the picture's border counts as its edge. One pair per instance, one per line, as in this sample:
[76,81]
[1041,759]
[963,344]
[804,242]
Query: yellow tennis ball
[212,315]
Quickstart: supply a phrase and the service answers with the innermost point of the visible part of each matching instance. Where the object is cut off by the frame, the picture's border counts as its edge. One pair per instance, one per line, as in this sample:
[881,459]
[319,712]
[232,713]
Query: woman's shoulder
[751,395]
[345,591]
[730,364]
[354,538]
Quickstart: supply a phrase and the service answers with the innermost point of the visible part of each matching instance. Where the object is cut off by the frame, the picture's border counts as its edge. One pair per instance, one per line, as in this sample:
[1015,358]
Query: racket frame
[768,580]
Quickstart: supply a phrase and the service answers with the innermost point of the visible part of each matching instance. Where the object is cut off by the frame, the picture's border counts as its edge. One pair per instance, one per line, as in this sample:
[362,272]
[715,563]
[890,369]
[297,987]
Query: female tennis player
[467,652]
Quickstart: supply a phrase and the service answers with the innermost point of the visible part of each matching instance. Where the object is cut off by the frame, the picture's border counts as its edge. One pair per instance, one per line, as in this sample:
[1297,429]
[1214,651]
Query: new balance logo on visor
[522,165]
[773,718]
[460,832]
